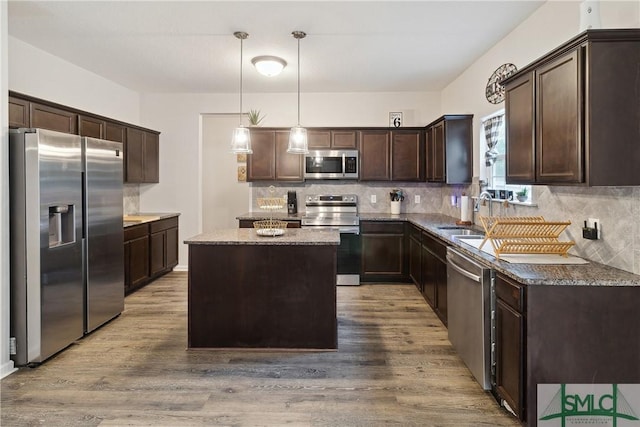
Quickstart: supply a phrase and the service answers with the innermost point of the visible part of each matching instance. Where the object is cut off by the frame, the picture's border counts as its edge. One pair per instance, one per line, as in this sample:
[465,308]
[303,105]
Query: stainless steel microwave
[331,164]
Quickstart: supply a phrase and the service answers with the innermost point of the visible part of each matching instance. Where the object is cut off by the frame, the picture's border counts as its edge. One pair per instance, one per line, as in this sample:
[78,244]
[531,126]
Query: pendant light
[241,141]
[298,134]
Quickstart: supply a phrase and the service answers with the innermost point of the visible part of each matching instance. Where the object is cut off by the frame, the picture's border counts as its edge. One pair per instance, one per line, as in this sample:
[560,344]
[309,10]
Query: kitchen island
[249,291]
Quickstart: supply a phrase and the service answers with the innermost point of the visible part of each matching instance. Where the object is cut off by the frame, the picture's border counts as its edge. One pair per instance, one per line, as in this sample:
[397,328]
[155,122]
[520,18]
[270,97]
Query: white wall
[223,197]
[6,365]
[37,73]
[178,117]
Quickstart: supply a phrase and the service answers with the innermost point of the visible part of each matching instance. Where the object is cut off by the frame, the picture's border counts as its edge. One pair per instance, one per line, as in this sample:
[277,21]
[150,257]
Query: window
[493,167]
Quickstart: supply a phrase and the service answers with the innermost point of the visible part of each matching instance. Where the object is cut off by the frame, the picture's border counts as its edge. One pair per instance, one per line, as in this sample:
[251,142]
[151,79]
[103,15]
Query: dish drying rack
[525,235]
[270,227]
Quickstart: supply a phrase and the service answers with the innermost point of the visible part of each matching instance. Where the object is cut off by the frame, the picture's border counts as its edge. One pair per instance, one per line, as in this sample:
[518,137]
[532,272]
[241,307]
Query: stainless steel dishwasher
[469,300]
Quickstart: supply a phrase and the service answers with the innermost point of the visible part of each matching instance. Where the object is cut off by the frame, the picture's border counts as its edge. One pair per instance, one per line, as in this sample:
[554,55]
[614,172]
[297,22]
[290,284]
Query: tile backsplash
[433,198]
[617,208]
[131,199]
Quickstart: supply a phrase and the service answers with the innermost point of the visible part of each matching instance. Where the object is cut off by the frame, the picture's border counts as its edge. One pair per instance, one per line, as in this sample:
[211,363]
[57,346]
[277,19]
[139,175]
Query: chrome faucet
[485,195]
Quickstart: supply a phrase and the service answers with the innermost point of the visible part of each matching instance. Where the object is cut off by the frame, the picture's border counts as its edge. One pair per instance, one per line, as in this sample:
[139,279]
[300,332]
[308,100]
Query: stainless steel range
[339,212]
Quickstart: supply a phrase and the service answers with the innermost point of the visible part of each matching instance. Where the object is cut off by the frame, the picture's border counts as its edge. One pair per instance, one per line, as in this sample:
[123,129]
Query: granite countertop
[275,215]
[248,236]
[144,217]
[591,274]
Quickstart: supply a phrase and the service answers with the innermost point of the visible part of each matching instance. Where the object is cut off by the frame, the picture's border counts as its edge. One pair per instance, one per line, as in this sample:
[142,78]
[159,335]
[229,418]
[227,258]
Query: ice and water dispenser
[62,228]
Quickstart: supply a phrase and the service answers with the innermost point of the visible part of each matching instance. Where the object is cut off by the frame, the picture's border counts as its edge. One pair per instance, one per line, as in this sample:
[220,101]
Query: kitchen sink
[474,236]
[457,231]
[468,232]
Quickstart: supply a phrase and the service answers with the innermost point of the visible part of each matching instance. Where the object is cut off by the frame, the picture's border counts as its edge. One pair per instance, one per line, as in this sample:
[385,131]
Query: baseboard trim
[7,369]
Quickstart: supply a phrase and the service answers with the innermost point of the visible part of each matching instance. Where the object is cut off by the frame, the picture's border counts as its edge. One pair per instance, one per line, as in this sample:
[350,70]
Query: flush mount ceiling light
[298,134]
[269,65]
[241,141]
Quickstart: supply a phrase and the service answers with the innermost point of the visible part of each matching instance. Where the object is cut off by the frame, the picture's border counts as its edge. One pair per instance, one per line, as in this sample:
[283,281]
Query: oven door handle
[348,230]
[464,272]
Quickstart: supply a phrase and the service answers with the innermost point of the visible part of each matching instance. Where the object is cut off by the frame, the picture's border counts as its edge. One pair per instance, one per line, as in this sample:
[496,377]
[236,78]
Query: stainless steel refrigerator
[67,273]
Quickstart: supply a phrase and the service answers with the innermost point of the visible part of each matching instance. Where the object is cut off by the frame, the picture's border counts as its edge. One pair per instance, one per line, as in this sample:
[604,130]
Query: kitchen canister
[395,207]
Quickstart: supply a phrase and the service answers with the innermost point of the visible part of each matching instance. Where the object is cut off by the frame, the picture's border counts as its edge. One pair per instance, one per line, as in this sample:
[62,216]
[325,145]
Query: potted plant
[396,196]
[254,117]
[522,194]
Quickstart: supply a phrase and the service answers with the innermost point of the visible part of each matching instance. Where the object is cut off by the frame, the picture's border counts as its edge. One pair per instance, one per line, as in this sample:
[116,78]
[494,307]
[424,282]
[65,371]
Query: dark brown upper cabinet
[375,155]
[289,167]
[520,130]
[449,149]
[270,160]
[572,115]
[391,155]
[261,165]
[323,139]
[90,126]
[141,156]
[115,132]
[52,118]
[18,113]
[407,155]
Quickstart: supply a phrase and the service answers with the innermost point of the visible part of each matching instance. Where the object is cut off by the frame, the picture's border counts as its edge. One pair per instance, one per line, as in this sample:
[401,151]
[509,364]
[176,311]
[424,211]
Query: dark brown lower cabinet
[415,256]
[510,325]
[136,256]
[163,244]
[563,335]
[150,250]
[434,275]
[384,252]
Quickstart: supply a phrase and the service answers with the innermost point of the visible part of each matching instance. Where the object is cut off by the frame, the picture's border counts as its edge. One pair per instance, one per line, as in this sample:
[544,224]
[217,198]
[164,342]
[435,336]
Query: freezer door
[46,243]
[104,246]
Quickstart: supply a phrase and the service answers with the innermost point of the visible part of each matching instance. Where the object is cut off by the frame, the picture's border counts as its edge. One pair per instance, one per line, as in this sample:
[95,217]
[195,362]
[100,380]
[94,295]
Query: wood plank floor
[394,366]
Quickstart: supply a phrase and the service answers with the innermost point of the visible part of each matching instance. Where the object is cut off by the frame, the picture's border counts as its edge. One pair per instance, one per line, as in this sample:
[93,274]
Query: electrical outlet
[591,222]
[416,198]
[374,199]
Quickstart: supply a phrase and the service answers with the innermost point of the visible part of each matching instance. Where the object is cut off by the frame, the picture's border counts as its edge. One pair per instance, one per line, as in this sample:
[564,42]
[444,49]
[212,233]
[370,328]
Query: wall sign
[395,120]
[495,90]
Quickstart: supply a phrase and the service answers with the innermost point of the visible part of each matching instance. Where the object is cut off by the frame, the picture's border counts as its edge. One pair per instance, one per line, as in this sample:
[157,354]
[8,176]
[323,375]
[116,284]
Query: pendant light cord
[240,115]
[298,81]
[299,35]
[241,35]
